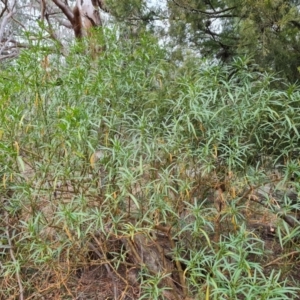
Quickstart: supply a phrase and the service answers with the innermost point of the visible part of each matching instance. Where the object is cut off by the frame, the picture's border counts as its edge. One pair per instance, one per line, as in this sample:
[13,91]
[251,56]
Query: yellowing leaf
[36,102]
[4,181]
[207,292]
[93,159]
[17,147]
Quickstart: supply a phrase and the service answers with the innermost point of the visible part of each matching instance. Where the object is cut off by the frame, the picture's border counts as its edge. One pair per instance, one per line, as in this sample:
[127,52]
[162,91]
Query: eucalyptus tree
[54,23]
[27,23]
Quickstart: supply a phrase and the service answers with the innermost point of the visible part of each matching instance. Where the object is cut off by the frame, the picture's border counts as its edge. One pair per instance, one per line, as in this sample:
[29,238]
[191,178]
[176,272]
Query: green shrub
[97,154]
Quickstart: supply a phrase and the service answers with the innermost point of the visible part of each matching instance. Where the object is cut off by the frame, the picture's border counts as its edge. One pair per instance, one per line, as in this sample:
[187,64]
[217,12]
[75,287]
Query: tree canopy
[267,31]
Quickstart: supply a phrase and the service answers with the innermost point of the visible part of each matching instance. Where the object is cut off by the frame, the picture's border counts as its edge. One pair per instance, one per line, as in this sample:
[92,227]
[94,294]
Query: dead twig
[179,268]
[280,258]
[110,269]
[12,255]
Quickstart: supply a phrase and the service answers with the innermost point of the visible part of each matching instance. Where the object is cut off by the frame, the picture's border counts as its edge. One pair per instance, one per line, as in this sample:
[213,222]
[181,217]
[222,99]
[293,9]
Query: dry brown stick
[132,248]
[124,292]
[167,230]
[253,188]
[179,268]
[169,280]
[288,219]
[247,193]
[109,272]
[280,258]
[107,265]
[11,252]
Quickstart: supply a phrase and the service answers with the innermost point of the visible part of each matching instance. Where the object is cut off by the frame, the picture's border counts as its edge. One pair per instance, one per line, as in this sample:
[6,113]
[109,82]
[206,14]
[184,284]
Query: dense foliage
[131,165]
[266,30]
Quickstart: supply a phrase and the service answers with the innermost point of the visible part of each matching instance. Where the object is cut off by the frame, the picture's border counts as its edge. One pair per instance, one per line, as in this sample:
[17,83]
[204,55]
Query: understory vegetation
[128,176]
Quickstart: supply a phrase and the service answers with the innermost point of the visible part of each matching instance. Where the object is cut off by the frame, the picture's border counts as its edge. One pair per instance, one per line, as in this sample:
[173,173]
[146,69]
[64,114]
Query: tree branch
[213,13]
[43,10]
[11,55]
[6,18]
[4,8]
[51,31]
[66,10]
[102,5]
